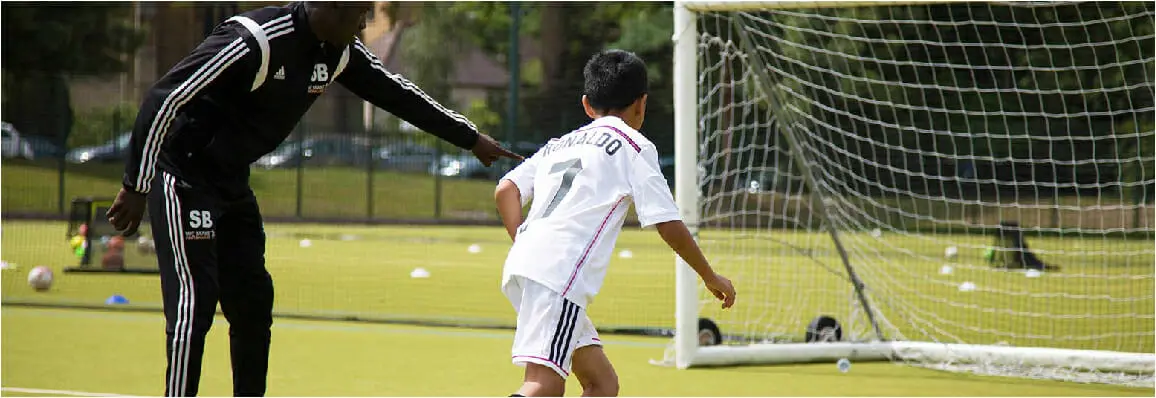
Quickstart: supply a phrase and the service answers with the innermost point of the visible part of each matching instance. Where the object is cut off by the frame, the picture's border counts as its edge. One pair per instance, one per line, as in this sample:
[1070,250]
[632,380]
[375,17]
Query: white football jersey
[582,185]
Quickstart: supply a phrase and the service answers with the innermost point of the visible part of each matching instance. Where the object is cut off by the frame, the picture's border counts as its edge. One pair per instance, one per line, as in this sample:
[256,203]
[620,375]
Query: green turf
[1100,301]
[109,352]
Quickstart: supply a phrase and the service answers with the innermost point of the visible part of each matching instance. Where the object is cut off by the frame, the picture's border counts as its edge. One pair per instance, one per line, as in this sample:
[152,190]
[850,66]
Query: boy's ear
[640,105]
[589,109]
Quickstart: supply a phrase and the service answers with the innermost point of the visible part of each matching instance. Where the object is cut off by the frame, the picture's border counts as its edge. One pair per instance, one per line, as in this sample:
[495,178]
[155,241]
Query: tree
[567,35]
[47,43]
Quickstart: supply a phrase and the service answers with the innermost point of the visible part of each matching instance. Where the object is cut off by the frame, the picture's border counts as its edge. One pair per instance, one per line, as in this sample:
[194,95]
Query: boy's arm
[514,190]
[678,237]
[655,206]
[509,206]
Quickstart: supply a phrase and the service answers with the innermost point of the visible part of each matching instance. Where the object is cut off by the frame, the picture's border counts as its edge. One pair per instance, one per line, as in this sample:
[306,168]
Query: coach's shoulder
[264,16]
[268,13]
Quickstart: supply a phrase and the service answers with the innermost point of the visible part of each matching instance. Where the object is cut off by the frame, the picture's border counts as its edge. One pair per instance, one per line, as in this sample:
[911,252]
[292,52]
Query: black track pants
[211,251]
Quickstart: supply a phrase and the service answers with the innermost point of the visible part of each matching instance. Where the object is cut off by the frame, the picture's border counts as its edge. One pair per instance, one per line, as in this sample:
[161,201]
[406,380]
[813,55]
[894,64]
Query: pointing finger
[511,155]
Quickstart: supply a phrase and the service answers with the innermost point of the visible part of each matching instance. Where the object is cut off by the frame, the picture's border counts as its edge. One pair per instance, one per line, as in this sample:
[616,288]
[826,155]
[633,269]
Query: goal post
[863,164]
[686,179]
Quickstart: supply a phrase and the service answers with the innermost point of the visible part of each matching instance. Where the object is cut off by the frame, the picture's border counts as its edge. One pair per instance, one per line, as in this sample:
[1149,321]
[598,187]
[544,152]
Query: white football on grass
[40,278]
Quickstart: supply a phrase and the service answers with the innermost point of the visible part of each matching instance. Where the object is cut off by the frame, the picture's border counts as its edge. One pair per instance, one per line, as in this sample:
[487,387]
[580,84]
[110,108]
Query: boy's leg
[545,338]
[182,224]
[541,381]
[246,296]
[591,365]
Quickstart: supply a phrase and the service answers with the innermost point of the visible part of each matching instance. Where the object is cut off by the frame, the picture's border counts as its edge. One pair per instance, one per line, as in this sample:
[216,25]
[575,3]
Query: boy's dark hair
[614,80]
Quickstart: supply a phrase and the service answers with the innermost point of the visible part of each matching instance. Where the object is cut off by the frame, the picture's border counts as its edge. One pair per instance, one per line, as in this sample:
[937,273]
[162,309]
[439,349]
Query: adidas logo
[280,75]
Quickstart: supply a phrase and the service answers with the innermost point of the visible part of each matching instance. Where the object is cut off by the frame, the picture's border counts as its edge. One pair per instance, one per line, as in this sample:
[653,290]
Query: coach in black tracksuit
[235,98]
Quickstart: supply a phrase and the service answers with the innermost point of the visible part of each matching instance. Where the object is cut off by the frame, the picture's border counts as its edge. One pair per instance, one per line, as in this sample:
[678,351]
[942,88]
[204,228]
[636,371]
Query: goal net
[958,186]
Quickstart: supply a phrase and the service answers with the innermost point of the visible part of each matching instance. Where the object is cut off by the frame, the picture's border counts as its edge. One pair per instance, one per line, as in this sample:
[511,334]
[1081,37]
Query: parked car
[336,150]
[405,157]
[115,150]
[465,165]
[13,145]
[44,147]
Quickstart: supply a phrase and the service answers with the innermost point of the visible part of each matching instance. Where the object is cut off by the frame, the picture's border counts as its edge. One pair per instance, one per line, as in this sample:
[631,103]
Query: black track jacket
[240,93]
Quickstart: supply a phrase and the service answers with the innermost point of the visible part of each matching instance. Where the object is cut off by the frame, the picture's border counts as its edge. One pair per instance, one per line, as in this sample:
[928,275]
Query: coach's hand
[487,150]
[126,211]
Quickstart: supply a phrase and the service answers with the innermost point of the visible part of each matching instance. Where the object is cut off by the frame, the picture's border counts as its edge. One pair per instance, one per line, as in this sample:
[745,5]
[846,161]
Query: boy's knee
[605,386]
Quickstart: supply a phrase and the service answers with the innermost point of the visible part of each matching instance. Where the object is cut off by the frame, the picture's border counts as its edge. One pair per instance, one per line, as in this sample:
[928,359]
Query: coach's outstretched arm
[367,77]
[224,61]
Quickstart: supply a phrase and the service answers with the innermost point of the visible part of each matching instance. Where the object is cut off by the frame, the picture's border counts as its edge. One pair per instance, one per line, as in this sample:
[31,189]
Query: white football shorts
[550,327]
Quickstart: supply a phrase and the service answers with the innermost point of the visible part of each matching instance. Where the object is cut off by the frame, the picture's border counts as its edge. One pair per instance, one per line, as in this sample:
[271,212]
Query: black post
[300,165]
[437,181]
[60,178]
[371,158]
[60,162]
[514,64]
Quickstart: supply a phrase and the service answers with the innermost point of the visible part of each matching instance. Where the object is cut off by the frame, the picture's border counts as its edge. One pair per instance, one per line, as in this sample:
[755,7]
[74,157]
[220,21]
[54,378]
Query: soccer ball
[112,260]
[40,278]
[116,243]
[146,245]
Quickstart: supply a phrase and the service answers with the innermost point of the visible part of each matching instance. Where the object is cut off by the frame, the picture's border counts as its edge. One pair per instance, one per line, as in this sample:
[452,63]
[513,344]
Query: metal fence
[314,175]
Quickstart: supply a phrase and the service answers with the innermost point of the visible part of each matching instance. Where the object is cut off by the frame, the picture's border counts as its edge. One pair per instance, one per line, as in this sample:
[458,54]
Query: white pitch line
[60,392]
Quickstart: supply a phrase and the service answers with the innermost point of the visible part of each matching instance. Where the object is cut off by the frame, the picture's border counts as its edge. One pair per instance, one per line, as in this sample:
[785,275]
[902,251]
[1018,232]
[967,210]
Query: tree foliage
[45,43]
[565,36]
[69,38]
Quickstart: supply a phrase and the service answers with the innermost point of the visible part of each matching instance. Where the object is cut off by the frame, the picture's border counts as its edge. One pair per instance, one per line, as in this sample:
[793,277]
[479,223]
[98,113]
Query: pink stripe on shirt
[586,253]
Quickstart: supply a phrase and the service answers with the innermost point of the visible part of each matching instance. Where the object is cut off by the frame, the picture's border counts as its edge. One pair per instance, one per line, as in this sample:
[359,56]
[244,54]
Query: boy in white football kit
[584,182]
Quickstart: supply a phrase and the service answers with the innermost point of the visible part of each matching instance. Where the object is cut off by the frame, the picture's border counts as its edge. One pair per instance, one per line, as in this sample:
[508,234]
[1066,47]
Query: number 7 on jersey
[571,168]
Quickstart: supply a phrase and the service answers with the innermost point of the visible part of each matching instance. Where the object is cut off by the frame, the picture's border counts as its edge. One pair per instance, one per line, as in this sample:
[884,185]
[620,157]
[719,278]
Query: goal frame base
[929,352]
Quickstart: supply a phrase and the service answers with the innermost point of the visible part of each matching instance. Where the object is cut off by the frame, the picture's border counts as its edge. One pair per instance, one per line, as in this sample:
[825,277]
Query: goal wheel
[824,329]
[708,332]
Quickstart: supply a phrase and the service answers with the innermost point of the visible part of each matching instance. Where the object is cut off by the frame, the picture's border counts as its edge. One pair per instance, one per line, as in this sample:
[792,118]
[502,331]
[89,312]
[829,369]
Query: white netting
[942,138]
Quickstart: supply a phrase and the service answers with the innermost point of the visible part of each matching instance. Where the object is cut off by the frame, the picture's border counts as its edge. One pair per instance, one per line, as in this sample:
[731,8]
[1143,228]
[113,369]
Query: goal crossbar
[738,5]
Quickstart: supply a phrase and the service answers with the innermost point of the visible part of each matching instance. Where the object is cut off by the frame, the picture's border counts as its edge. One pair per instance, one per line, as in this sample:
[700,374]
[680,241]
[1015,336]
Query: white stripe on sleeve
[177,98]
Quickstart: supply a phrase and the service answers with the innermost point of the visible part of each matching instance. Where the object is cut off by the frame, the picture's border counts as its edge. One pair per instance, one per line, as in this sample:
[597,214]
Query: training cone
[116,299]
[419,273]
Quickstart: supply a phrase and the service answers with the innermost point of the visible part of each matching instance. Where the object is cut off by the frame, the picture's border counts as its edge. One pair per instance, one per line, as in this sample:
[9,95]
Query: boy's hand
[721,288]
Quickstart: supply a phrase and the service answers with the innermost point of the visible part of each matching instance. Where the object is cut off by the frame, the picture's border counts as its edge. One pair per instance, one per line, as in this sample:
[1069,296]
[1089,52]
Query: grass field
[1101,300]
